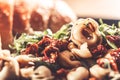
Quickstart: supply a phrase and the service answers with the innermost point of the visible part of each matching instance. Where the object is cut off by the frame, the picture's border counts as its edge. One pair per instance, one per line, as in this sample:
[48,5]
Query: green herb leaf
[106,29]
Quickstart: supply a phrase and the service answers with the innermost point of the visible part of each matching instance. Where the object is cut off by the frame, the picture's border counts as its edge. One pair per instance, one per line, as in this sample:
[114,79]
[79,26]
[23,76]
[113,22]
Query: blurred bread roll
[61,14]
[40,15]
[6,22]
[21,17]
[27,16]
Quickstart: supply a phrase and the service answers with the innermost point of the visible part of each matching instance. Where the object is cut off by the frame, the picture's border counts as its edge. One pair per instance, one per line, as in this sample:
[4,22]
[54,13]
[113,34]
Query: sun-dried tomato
[114,39]
[116,56]
[45,41]
[107,62]
[98,51]
[50,49]
[31,49]
[62,44]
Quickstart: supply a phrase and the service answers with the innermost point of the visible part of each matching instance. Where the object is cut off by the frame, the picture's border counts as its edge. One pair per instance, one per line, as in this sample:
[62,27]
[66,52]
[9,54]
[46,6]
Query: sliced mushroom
[26,73]
[26,60]
[42,73]
[85,30]
[99,72]
[68,60]
[5,53]
[9,68]
[83,52]
[81,73]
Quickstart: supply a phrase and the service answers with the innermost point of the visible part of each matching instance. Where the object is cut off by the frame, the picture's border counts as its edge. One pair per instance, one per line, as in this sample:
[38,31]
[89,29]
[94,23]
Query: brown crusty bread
[6,22]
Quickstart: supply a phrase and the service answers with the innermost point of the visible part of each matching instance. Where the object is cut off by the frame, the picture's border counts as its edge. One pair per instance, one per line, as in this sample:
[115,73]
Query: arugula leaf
[106,29]
[26,39]
[64,32]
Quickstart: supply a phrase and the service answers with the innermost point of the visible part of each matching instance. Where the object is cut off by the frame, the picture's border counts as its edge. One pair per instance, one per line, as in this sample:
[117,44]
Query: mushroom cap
[85,30]
[98,72]
[80,73]
[42,73]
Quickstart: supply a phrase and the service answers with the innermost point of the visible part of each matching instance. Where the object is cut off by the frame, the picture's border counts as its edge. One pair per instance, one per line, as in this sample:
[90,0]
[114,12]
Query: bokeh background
[108,10]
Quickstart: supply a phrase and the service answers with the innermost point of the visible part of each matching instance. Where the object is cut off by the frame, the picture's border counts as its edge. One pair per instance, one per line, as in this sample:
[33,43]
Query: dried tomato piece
[49,50]
[31,49]
[62,44]
[107,62]
[115,39]
[45,41]
[98,51]
[116,57]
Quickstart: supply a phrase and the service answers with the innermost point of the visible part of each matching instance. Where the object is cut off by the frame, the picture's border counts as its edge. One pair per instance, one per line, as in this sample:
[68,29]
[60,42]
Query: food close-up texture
[46,40]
